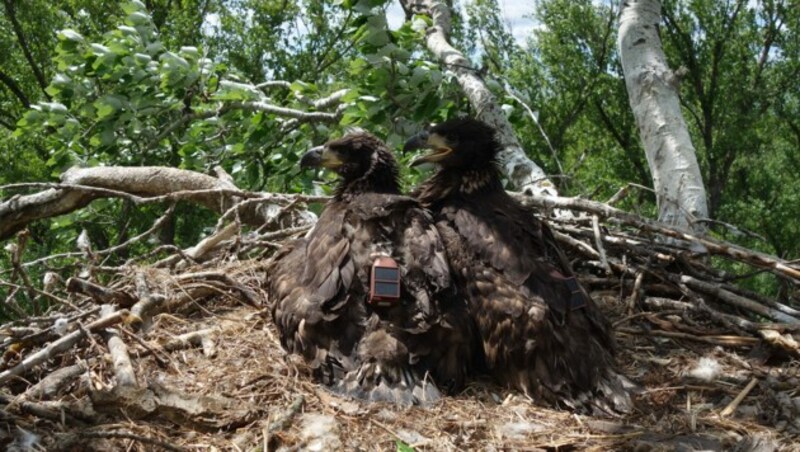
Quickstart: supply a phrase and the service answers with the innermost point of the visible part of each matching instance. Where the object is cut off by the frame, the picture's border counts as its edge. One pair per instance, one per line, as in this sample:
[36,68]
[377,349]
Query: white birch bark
[653,95]
[524,174]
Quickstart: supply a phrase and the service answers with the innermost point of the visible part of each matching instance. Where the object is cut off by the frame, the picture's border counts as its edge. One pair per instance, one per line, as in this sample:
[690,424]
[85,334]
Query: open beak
[320,156]
[425,140]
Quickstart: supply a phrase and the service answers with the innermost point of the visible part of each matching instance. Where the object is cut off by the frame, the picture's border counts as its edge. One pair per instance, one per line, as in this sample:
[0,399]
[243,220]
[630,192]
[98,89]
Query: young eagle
[541,332]
[403,352]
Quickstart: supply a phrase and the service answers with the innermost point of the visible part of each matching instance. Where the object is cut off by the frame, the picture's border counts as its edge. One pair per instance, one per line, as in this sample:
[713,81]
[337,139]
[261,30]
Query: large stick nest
[182,354]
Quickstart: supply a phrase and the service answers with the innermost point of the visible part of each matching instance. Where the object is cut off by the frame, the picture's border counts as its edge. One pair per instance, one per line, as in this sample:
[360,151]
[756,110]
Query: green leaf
[99,49]
[126,30]
[133,7]
[54,107]
[107,106]
[403,447]
[142,58]
[138,19]
[190,52]
[70,35]
[105,137]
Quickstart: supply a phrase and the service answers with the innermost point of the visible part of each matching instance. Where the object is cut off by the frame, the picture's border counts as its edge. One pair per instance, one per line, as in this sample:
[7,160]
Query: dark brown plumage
[541,331]
[405,352]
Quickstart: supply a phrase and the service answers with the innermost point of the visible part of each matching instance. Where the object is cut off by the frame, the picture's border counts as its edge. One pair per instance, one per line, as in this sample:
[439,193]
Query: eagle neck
[380,178]
[460,182]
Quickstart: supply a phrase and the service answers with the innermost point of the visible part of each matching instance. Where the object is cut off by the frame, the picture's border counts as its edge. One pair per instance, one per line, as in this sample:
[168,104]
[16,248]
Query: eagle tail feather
[612,395]
[378,382]
[576,366]
[382,370]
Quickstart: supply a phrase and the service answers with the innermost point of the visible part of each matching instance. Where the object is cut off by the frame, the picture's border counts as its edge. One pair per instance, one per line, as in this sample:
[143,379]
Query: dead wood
[123,369]
[99,293]
[737,300]
[192,339]
[194,254]
[80,186]
[53,411]
[200,412]
[59,346]
[784,341]
[728,410]
[737,341]
[50,385]
[148,304]
[701,245]
[71,441]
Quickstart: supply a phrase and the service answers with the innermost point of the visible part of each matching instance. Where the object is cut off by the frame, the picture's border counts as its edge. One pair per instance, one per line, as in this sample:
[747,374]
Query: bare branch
[710,245]
[312,116]
[274,83]
[535,118]
[61,345]
[99,293]
[140,185]
[331,100]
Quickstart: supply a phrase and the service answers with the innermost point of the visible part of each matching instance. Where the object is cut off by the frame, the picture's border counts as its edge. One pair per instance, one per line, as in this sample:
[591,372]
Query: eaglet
[405,351]
[541,331]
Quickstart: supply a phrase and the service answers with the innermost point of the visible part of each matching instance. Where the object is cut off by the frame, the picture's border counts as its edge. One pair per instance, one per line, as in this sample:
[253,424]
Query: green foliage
[403,447]
[741,61]
[131,96]
[165,85]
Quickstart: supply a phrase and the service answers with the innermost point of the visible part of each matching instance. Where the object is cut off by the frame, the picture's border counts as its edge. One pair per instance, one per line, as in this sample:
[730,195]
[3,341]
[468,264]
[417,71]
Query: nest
[183,355]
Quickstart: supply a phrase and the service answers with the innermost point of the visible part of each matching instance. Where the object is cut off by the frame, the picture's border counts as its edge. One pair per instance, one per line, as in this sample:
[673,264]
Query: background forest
[251,84]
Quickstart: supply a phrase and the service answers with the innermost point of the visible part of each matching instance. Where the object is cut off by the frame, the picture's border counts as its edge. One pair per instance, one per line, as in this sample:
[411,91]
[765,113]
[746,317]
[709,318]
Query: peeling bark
[654,98]
[524,174]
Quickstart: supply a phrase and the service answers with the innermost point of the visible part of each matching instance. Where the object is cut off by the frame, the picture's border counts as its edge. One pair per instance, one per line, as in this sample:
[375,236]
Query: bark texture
[524,174]
[80,186]
[654,98]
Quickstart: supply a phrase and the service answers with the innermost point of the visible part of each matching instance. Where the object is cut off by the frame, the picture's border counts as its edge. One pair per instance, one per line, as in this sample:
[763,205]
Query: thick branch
[140,184]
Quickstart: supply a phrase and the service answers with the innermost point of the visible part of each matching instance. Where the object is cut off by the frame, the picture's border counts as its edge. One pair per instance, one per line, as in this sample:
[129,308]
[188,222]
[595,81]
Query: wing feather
[531,337]
[375,353]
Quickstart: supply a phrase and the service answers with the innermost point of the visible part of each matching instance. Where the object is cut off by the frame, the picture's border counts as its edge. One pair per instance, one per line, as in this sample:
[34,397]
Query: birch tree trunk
[524,174]
[653,95]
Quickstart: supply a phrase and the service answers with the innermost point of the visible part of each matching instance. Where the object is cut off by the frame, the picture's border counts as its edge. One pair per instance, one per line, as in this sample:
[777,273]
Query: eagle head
[457,143]
[357,157]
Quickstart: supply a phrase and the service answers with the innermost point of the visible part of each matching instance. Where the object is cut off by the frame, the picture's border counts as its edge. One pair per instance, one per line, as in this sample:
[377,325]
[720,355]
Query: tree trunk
[523,173]
[653,94]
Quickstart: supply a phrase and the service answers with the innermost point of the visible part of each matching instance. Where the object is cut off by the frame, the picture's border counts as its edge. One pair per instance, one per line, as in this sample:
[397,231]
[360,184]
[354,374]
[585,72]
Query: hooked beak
[320,156]
[418,141]
[425,140]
